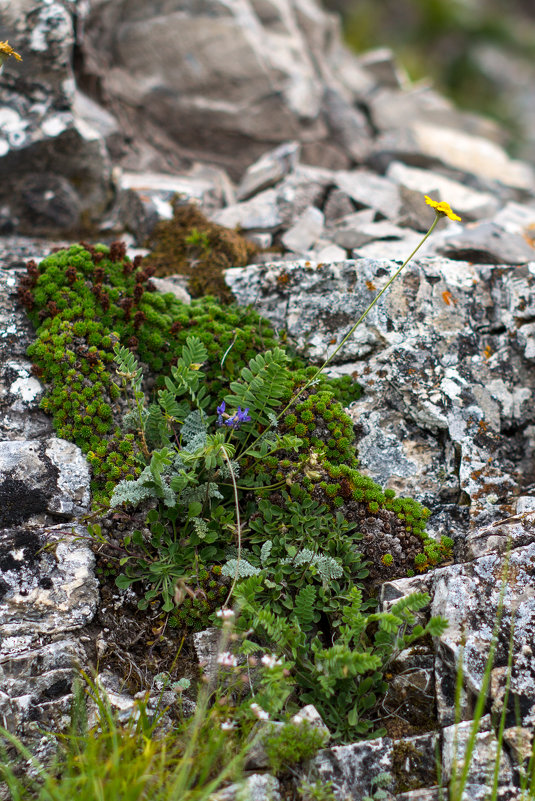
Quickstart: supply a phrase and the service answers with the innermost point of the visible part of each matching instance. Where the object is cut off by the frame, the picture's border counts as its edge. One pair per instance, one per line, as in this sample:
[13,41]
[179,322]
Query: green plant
[146,757]
[344,680]
[316,791]
[206,485]
[132,761]
[291,745]
[380,785]
[244,460]
[461,768]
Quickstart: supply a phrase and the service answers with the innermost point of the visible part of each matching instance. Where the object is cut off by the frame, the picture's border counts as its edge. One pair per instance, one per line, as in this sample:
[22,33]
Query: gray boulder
[55,172]
[168,71]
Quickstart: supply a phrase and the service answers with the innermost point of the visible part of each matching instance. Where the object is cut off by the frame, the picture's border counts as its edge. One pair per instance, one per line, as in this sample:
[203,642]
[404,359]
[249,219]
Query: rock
[517,218]
[36,478]
[468,203]
[427,794]
[272,209]
[414,761]
[426,145]
[520,743]
[271,168]
[382,64]
[20,394]
[257,757]
[45,592]
[37,675]
[469,596]
[260,212]
[20,391]
[358,229]
[170,72]
[209,644]
[348,124]
[346,232]
[310,715]
[144,199]
[256,787]
[54,167]
[456,741]
[42,202]
[111,689]
[370,190]
[514,531]
[305,186]
[352,768]
[337,206]
[393,249]
[327,251]
[175,285]
[305,232]
[392,109]
[411,695]
[488,243]
[442,352]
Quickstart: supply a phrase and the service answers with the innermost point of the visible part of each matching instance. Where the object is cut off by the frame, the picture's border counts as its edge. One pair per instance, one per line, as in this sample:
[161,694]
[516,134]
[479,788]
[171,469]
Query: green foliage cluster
[241,476]
[85,299]
[292,744]
[293,560]
[341,672]
[145,757]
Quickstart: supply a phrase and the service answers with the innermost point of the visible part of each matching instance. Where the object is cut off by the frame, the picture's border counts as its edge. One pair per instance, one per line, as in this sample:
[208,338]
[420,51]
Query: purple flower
[220,411]
[244,416]
[238,418]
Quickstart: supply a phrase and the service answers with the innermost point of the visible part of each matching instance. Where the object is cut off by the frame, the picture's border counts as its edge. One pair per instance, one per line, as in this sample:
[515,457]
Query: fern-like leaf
[263,383]
[203,492]
[265,551]
[243,568]
[193,425]
[128,366]
[304,606]
[156,427]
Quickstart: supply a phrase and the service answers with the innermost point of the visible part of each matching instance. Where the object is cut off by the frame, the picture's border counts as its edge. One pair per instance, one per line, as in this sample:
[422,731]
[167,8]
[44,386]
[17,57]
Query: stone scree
[335,180]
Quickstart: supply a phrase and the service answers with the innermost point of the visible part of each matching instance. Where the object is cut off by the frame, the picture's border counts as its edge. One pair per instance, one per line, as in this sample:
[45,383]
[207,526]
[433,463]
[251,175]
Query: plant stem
[370,307]
[354,327]
[238,524]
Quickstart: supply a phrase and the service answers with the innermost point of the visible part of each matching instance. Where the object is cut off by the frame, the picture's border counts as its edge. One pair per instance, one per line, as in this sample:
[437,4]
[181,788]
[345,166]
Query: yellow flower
[442,208]
[6,51]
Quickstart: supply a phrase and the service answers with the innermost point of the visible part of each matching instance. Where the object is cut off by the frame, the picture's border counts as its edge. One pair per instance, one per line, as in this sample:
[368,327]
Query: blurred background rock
[478,52]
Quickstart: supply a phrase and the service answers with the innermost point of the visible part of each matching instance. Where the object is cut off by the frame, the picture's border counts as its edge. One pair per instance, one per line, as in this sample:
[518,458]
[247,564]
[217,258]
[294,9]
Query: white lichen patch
[25,386]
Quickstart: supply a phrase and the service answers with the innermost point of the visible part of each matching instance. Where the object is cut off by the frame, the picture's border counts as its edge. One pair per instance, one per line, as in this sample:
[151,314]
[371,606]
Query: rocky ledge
[339,151]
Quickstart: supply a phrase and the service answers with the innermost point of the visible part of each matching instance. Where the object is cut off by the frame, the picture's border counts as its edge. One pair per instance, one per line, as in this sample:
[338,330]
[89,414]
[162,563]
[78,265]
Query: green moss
[410,768]
[86,299]
[191,245]
[291,745]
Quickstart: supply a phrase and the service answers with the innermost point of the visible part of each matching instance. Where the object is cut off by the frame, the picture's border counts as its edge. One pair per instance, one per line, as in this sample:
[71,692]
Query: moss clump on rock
[191,245]
[325,470]
[85,299]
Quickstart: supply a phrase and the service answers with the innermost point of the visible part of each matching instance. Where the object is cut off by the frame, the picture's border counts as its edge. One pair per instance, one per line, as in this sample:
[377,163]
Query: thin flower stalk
[238,524]
[442,209]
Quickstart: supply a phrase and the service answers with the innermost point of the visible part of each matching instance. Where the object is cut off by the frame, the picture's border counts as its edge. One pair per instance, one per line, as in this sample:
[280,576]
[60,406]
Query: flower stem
[359,321]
